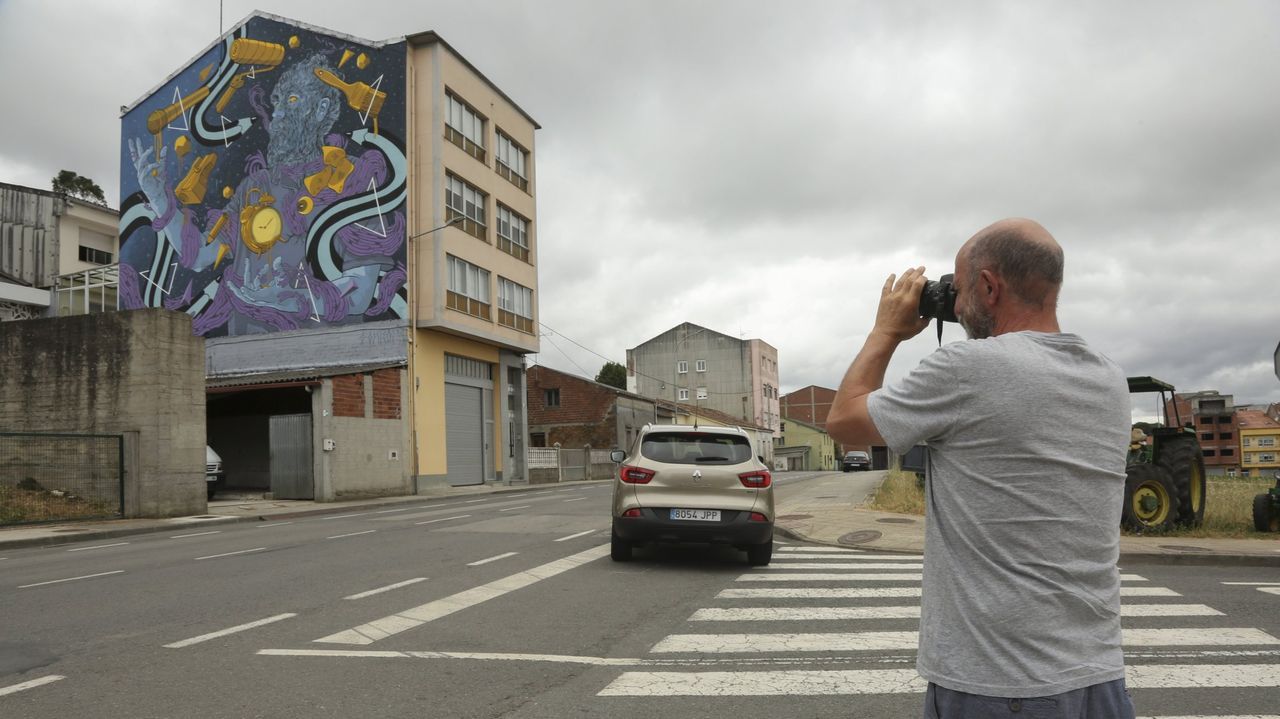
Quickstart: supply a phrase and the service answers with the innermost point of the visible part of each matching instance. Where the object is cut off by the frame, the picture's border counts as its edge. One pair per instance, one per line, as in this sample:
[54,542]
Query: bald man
[1027,429]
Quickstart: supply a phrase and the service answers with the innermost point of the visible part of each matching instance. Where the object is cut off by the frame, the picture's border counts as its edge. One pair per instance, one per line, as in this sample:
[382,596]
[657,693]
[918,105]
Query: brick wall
[581,400]
[386,393]
[810,405]
[348,395]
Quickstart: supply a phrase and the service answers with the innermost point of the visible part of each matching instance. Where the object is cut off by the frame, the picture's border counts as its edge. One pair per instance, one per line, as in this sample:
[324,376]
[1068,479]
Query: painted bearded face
[303,110]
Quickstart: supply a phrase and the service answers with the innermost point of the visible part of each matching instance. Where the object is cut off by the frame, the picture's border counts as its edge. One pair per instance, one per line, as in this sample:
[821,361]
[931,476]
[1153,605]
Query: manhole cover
[796,516]
[896,520]
[1182,548]
[859,537]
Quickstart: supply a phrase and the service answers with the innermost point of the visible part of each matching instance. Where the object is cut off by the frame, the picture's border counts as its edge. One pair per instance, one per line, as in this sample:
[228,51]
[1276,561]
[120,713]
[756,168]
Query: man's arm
[897,319]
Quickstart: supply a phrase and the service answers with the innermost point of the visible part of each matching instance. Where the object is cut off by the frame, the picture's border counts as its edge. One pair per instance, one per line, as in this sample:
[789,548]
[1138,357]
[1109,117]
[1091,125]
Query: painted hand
[151,174]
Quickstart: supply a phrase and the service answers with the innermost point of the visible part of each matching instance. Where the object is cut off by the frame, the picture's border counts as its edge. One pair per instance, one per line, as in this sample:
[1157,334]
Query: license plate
[697,515]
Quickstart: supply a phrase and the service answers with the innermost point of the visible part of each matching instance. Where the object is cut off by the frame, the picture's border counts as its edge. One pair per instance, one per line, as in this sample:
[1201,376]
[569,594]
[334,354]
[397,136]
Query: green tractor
[1266,509]
[1165,481]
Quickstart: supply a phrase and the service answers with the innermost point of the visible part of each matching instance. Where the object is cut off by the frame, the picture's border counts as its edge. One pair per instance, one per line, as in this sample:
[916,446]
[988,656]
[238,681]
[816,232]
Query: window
[702,393]
[1266,441]
[468,288]
[464,127]
[1206,436]
[1206,420]
[1224,420]
[513,234]
[1224,435]
[461,198]
[537,439]
[684,394]
[94,255]
[1231,472]
[1266,457]
[511,159]
[1227,452]
[701,365]
[1248,441]
[515,305]
[1210,453]
[682,367]
[553,397]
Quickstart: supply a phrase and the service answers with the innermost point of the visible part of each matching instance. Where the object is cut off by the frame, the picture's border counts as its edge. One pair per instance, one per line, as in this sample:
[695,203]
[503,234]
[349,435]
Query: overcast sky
[760,168]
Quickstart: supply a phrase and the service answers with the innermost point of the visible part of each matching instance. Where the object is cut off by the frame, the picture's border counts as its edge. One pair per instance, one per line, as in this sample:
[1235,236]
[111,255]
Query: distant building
[805,446]
[575,412]
[699,366]
[51,242]
[1259,443]
[811,405]
[1212,415]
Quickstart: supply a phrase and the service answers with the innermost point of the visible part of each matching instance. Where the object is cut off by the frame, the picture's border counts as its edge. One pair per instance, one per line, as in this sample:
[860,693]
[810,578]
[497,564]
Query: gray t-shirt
[1027,434]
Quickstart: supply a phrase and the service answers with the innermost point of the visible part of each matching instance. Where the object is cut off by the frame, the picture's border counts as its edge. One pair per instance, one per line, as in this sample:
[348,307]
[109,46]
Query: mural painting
[263,186]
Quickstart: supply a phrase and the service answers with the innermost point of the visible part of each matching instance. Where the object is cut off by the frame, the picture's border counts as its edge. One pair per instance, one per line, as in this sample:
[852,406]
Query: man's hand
[898,317]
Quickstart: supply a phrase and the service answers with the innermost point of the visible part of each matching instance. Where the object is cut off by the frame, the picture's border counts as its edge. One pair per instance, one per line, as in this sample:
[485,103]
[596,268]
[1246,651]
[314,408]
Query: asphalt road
[508,606]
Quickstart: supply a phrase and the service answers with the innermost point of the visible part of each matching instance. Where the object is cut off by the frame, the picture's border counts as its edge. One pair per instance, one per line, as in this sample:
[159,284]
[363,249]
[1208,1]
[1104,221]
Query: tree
[613,374]
[76,185]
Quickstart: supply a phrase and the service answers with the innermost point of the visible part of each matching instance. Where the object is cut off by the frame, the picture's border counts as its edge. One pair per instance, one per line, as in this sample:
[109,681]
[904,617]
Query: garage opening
[263,435]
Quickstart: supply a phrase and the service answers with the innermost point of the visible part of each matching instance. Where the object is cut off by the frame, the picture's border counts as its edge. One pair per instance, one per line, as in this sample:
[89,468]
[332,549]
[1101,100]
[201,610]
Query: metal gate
[464,434]
[58,477]
[291,456]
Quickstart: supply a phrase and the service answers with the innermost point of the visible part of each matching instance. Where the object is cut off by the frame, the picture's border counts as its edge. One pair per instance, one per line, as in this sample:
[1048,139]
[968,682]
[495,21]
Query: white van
[213,474]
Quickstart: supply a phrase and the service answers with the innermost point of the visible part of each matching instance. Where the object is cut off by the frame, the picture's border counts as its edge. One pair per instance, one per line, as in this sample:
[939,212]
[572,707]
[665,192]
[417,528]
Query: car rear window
[688,448]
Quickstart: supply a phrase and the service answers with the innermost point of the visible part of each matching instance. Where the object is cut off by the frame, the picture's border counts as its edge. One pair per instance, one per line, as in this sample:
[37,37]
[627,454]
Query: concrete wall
[371,455]
[140,373]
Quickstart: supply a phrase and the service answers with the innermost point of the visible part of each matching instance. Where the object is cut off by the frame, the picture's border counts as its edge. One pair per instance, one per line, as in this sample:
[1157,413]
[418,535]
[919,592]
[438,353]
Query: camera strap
[939,331]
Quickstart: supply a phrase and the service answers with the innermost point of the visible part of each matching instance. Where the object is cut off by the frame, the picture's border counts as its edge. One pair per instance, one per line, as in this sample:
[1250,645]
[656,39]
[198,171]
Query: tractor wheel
[1182,459]
[1265,516]
[1149,499]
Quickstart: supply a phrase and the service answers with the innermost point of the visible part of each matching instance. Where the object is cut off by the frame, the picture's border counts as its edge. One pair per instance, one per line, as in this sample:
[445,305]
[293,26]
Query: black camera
[938,299]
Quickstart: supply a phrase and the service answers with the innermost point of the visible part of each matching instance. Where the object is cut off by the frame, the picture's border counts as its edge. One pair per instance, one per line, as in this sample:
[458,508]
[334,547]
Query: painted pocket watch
[261,225]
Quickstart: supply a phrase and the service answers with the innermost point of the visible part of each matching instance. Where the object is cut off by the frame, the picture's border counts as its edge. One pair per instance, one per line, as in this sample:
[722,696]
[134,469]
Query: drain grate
[859,537]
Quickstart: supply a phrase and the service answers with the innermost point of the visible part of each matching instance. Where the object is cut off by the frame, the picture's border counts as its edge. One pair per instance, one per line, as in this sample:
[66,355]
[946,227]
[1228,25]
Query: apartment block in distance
[1213,417]
[1259,443]
[352,226]
[696,365]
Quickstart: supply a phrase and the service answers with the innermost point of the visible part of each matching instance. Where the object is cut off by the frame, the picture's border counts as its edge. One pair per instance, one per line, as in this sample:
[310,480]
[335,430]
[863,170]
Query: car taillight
[756,480]
[758,517]
[635,475]
[631,513]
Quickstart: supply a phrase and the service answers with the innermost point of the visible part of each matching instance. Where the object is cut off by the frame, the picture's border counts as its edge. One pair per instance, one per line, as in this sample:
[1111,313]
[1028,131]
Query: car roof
[688,428]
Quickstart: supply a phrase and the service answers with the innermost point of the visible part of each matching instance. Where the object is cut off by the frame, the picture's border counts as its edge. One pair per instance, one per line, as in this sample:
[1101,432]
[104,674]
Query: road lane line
[1216,637]
[512,509]
[389,511]
[230,554]
[579,534]
[15,688]
[483,656]
[830,578]
[827,565]
[1252,584]
[773,614]
[492,559]
[230,630]
[474,501]
[1168,610]
[808,593]
[387,588]
[97,546]
[345,516]
[419,615]
[277,524]
[71,579]
[846,557]
[1148,592]
[353,534]
[830,550]
[443,519]
[197,534]
[575,499]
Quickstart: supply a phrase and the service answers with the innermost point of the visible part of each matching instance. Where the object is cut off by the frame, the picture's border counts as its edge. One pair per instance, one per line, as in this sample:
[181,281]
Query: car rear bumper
[655,525]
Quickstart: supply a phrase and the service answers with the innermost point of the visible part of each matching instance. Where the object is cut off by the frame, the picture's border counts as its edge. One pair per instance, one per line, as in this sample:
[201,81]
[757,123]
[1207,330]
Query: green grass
[1228,509]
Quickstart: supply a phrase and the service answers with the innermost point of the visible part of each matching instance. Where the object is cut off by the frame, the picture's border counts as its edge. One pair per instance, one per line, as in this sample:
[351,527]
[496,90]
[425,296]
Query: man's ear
[989,288]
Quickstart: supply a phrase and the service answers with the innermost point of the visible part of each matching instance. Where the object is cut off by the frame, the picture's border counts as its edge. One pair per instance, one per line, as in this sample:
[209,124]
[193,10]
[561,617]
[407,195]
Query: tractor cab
[1165,479]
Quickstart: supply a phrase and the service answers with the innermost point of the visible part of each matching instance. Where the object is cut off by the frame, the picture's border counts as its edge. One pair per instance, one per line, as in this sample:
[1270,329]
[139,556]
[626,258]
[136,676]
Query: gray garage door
[290,438]
[464,433]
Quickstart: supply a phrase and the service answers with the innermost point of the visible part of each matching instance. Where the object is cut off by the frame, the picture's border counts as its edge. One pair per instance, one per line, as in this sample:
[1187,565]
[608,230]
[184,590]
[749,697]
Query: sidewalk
[822,510]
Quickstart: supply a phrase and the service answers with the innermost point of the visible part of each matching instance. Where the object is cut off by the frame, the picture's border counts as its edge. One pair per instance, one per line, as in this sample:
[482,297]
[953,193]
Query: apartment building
[1259,443]
[352,226]
[1213,417]
[696,365]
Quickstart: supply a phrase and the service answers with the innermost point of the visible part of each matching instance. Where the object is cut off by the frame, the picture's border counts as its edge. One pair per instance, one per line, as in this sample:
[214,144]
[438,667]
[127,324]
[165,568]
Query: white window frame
[684,395]
[460,196]
[511,155]
[515,298]
[682,367]
[513,227]
[461,117]
[468,280]
[1248,441]
[702,393]
[1266,441]
[700,366]
[1266,457]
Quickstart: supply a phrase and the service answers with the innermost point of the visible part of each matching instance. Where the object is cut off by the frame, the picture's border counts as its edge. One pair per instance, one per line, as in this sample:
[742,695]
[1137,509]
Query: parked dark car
[855,461]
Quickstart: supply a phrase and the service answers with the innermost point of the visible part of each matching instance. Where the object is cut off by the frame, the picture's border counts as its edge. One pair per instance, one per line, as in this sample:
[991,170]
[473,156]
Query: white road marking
[197,534]
[15,688]
[830,550]
[389,511]
[579,534]
[807,593]
[575,499]
[1132,578]
[1168,610]
[772,614]
[97,546]
[907,681]
[845,557]
[230,554]
[473,501]
[442,519]
[485,656]
[345,516]
[417,616]
[880,641]
[1252,584]
[492,559]
[830,578]
[277,524]
[829,565]
[71,579]
[231,630]
[512,509]
[1270,590]
[1148,592]
[387,588]
[353,534]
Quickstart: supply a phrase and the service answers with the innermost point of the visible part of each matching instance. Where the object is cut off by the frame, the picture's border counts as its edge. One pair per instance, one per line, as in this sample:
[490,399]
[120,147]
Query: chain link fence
[60,477]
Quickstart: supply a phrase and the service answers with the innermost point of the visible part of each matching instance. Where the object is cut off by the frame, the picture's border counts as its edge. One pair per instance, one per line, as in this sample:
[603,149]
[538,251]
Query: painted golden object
[294,42]
[305,205]
[193,187]
[361,96]
[261,226]
[362,61]
[182,145]
[334,173]
[217,227]
[237,82]
[346,56]
[158,120]
[227,192]
[256,52]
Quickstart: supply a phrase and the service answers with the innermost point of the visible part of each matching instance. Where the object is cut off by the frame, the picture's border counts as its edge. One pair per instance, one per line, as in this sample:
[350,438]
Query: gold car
[685,483]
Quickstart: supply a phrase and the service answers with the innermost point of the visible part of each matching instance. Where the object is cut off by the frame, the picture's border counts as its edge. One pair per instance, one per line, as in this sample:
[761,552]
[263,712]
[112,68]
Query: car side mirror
[617,456]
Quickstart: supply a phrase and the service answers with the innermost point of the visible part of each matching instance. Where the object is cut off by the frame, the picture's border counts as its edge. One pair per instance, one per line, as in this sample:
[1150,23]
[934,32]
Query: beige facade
[473,269]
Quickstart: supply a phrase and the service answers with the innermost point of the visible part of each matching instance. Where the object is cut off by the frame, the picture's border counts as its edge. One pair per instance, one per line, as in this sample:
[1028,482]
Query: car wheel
[619,549]
[759,555]
[211,489]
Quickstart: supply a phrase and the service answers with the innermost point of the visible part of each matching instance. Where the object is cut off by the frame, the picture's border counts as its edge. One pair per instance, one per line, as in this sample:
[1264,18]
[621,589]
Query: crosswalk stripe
[1215,637]
[1148,592]
[1168,610]
[772,614]
[866,556]
[906,681]
[814,593]
[830,578]
[855,565]
[828,550]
